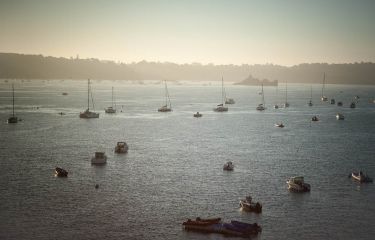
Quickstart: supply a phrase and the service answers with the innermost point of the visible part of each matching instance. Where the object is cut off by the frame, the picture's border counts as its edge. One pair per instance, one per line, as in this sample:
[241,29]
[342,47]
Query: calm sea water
[173,170]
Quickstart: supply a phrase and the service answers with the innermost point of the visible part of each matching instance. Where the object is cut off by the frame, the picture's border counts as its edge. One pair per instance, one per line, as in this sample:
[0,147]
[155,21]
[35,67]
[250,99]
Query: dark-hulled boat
[248,205]
[61,172]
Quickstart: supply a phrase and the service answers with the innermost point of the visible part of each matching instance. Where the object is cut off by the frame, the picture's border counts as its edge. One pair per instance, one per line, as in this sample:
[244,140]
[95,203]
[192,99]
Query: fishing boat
[167,107]
[13,118]
[315,119]
[352,105]
[248,205]
[310,102]
[361,177]
[339,116]
[59,172]
[221,107]
[262,106]
[121,147]
[228,166]
[87,113]
[197,115]
[99,158]
[111,109]
[324,98]
[297,184]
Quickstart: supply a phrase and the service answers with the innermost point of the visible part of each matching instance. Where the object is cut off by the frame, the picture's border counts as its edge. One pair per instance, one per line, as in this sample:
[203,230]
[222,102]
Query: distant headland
[21,66]
[251,81]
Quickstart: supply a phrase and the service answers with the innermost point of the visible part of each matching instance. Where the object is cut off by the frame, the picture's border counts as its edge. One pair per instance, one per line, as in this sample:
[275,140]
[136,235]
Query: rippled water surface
[173,170]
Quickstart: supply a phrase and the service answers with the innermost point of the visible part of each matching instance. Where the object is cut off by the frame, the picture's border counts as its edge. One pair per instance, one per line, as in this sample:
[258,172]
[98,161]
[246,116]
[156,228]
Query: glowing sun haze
[284,32]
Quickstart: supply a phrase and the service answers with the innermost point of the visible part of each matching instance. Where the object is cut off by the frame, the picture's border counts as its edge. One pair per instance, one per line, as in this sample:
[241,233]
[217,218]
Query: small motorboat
[276,106]
[197,115]
[297,184]
[352,105]
[361,177]
[99,158]
[59,172]
[333,101]
[121,147]
[248,205]
[339,116]
[260,107]
[339,104]
[228,166]
[315,119]
[280,125]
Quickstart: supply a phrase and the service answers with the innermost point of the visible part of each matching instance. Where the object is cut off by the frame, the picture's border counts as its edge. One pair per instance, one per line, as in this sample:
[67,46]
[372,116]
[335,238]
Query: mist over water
[173,170]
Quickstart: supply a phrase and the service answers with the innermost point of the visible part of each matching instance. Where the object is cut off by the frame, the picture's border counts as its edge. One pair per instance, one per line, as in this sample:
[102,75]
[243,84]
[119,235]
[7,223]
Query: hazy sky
[284,32]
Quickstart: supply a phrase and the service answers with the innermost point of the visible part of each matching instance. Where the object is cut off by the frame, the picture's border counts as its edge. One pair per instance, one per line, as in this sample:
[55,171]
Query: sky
[283,32]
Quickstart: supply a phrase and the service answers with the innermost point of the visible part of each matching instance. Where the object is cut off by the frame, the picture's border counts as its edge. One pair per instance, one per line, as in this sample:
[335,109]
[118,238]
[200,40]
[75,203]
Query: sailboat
[276,106]
[324,98]
[111,109]
[168,106]
[88,113]
[13,118]
[221,107]
[286,104]
[261,107]
[310,102]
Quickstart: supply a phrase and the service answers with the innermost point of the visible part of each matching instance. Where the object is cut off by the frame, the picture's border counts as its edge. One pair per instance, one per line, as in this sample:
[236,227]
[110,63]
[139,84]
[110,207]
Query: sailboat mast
[13,98]
[112,97]
[324,82]
[88,94]
[166,93]
[263,96]
[286,92]
[222,90]
[310,93]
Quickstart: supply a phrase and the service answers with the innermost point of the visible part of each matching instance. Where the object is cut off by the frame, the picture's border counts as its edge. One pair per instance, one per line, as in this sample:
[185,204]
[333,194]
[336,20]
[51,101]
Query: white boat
[87,113]
[297,184]
[221,107]
[111,109]
[197,115]
[228,166]
[168,106]
[286,104]
[99,158]
[13,118]
[324,98]
[248,205]
[352,105]
[121,147]
[262,106]
[310,102]
[361,177]
[339,116]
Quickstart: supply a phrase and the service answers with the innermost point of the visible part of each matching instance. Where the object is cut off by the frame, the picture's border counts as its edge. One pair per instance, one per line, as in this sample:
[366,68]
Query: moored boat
[59,172]
[339,104]
[87,113]
[297,184]
[339,116]
[315,119]
[352,105]
[99,158]
[121,147]
[197,115]
[361,177]
[248,205]
[228,166]
[279,125]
